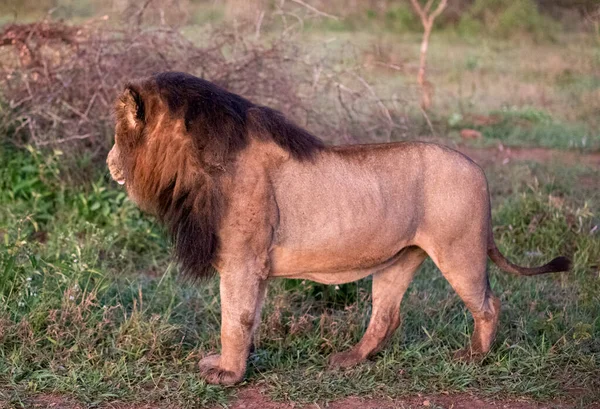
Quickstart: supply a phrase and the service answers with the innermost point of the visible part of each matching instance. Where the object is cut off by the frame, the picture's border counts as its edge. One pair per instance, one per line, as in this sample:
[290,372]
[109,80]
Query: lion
[245,192]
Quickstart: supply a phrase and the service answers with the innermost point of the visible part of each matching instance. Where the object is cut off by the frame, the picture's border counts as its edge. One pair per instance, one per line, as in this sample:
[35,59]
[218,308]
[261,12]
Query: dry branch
[315,10]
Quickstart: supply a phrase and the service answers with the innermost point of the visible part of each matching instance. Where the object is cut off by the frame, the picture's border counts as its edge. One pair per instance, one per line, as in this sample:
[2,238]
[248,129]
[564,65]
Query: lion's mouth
[117,176]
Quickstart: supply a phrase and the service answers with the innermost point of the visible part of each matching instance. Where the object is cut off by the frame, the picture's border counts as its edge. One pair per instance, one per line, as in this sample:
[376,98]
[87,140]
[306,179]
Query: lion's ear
[133,107]
[131,116]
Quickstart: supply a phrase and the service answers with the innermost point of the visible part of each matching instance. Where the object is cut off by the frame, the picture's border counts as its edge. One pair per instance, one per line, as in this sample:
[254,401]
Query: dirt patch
[253,398]
[502,154]
[443,401]
[49,401]
[56,401]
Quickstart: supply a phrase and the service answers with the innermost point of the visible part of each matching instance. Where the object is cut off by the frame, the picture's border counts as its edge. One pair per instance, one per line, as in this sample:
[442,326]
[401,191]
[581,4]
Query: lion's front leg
[242,297]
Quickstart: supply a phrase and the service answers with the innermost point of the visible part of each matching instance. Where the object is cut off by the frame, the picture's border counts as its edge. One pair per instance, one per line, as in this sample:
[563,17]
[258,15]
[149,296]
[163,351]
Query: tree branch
[438,10]
[317,11]
[428,6]
[419,10]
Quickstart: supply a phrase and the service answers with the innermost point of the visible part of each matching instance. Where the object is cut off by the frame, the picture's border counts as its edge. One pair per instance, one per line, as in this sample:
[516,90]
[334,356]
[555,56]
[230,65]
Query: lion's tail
[556,265]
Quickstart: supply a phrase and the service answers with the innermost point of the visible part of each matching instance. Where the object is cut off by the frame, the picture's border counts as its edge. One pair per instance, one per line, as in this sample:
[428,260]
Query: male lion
[245,192]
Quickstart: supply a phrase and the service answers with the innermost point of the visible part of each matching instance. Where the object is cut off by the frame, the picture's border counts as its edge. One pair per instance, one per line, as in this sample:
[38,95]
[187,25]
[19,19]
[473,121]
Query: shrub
[60,81]
[507,18]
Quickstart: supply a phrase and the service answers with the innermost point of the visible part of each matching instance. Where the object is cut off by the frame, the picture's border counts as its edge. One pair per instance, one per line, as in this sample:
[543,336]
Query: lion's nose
[115,172]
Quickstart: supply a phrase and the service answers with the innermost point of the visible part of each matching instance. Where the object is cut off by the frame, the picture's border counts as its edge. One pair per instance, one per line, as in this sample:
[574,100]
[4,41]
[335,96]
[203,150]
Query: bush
[60,81]
[506,19]
[402,18]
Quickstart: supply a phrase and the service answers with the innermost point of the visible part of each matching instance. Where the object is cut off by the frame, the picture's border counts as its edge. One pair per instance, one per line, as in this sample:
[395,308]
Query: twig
[381,105]
[289,28]
[140,13]
[259,21]
[392,66]
[315,10]
[63,140]
[428,121]
[14,105]
[87,111]
[75,110]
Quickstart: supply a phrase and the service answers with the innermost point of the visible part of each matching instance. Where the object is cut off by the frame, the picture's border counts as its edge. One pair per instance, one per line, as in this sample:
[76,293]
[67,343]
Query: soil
[253,398]
[505,155]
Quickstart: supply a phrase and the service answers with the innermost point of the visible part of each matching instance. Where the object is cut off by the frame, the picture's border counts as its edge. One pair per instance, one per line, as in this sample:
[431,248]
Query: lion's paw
[345,359]
[468,355]
[211,372]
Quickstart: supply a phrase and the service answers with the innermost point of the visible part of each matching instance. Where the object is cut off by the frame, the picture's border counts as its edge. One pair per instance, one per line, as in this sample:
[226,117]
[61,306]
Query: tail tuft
[556,265]
[559,264]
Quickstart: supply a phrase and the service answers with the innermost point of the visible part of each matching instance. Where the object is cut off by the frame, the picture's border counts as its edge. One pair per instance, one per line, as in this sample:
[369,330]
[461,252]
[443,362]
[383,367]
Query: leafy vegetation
[506,19]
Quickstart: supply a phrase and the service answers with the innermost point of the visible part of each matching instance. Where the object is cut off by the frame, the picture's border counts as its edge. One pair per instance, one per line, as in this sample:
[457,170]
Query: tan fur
[347,213]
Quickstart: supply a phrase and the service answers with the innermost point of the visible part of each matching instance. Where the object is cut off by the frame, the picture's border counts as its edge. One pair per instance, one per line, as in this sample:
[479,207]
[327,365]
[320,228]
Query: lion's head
[175,135]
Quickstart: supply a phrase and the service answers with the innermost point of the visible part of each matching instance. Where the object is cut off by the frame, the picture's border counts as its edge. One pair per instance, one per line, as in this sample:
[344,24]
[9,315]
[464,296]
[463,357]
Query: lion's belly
[340,277]
[327,268]
[331,247]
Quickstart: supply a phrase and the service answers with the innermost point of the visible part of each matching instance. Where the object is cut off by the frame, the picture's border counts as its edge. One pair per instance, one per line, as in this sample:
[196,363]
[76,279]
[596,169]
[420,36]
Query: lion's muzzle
[114,166]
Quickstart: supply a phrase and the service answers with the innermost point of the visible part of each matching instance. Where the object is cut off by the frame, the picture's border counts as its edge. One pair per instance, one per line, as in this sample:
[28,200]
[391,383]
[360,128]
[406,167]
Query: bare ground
[252,398]
[505,155]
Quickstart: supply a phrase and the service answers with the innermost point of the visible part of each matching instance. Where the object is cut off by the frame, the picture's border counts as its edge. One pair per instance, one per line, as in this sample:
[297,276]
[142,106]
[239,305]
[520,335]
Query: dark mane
[221,121]
[220,124]
[192,217]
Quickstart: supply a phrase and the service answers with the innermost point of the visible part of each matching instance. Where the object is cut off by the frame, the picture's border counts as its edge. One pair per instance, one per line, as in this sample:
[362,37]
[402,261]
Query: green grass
[91,306]
[531,127]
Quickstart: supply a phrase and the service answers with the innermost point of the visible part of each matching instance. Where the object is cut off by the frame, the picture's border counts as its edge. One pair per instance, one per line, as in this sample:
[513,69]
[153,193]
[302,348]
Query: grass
[532,94]
[529,127]
[91,306]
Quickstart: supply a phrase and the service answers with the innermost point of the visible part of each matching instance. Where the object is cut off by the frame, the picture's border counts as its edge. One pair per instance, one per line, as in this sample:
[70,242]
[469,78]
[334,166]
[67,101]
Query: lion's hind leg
[389,286]
[464,266]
